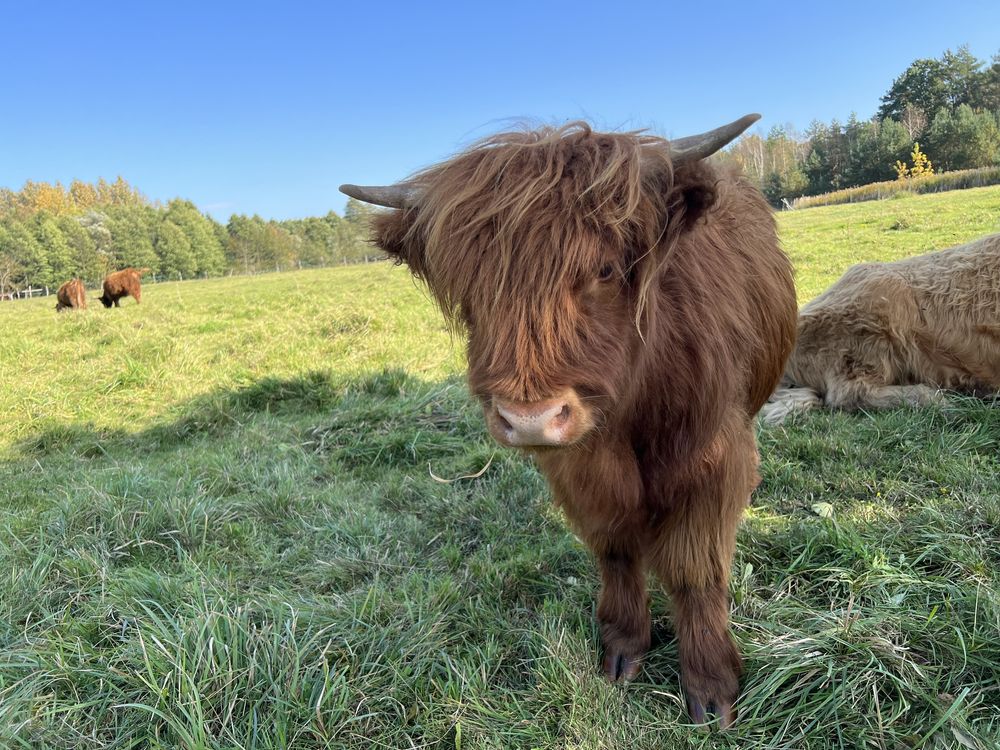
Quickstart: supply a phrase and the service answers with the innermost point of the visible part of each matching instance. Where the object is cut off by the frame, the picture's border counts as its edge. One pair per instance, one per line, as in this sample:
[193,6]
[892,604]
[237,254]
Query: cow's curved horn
[390,196]
[695,147]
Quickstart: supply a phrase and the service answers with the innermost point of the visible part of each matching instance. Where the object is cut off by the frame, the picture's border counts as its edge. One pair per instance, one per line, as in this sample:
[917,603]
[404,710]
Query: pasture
[262,512]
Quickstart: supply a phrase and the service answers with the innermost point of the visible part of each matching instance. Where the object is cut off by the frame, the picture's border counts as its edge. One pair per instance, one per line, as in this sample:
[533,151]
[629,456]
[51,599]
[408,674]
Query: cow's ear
[392,231]
[679,198]
[694,193]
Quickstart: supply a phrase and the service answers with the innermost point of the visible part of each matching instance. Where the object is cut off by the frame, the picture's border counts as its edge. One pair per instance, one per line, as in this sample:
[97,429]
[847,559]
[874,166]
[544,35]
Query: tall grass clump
[933,183]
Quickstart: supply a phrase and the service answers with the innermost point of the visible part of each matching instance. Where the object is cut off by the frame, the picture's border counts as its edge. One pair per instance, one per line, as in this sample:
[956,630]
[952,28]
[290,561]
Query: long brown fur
[71,295]
[124,283]
[584,260]
[893,334]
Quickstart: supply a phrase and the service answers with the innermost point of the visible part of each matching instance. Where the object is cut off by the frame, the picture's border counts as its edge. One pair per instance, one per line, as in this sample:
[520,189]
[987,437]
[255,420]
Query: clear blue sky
[267,107]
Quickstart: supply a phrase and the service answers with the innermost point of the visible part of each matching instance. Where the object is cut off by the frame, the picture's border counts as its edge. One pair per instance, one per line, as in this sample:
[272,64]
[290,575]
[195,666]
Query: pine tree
[877,145]
[83,195]
[205,247]
[964,139]
[131,238]
[96,225]
[921,165]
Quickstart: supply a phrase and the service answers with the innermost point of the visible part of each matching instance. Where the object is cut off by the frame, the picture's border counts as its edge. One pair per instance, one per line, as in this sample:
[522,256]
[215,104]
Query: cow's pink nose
[553,421]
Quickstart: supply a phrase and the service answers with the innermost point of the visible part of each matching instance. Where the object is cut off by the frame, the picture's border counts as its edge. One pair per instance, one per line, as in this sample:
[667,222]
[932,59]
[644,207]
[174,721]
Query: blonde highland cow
[893,334]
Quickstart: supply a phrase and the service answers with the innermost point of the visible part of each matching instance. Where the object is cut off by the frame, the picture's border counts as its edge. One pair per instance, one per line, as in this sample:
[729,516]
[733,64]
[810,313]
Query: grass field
[223,527]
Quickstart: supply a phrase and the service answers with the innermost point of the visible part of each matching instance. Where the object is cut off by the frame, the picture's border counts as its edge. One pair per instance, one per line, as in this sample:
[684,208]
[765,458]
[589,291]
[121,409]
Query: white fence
[42,291]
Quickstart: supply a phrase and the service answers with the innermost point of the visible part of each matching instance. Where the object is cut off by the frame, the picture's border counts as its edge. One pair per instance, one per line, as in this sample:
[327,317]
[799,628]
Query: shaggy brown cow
[628,311]
[122,284]
[891,334]
[71,295]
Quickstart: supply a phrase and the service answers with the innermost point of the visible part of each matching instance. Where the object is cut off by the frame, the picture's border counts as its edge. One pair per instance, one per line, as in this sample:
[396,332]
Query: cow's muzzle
[557,421]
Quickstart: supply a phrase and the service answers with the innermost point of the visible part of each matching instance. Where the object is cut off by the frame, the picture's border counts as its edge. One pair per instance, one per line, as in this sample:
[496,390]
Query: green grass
[221,530]
[825,240]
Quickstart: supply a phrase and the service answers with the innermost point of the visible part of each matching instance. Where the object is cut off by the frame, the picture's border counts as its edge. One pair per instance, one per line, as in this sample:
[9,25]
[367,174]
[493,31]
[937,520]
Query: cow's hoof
[705,712]
[619,665]
[710,677]
[710,697]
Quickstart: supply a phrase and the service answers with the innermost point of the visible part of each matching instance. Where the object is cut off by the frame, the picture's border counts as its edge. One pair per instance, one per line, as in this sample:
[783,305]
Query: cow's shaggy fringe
[516,189]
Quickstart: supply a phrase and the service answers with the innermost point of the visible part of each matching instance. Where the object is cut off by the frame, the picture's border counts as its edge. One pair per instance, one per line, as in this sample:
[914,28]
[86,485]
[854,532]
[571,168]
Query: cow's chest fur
[608,489]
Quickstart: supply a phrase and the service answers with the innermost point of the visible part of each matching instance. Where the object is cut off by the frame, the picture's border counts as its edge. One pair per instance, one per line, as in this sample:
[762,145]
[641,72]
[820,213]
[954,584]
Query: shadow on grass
[286,469]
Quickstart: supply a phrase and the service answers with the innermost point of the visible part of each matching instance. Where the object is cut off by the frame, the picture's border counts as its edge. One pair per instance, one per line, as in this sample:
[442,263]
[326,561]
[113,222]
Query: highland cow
[894,334]
[71,295]
[628,311]
[122,284]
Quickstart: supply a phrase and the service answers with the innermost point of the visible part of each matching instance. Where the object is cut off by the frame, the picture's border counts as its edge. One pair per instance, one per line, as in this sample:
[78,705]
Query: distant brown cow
[122,284]
[891,334]
[628,311]
[71,295]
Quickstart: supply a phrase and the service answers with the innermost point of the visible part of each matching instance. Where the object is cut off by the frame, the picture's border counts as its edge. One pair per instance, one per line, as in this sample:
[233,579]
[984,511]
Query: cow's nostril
[503,421]
[562,417]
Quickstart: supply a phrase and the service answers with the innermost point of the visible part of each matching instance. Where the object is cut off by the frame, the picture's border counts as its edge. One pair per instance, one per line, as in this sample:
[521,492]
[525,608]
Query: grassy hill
[824,241]
[223,527]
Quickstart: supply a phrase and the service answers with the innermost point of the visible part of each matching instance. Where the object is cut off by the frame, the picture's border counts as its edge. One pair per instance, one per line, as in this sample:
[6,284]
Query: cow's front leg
[623,611]
[694,552]
[601,495]
[859,394]
[695,572]
[710,662]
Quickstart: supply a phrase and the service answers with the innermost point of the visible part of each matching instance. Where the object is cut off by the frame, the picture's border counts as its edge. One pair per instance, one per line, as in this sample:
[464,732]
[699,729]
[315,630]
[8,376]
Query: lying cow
[891,334]
[628,311]
[122,284]
[71,295]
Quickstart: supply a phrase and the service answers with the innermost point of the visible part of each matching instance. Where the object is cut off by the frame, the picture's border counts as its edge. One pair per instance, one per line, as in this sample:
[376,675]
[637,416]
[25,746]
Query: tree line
[949,107]
[50,233]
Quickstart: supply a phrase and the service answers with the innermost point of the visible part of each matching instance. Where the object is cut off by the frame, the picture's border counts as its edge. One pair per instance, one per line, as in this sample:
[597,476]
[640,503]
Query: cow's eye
[607,273]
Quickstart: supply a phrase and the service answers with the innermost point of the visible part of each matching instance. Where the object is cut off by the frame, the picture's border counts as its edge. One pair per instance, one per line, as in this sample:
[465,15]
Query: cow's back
[958,292]
[71,294]
[959,286]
